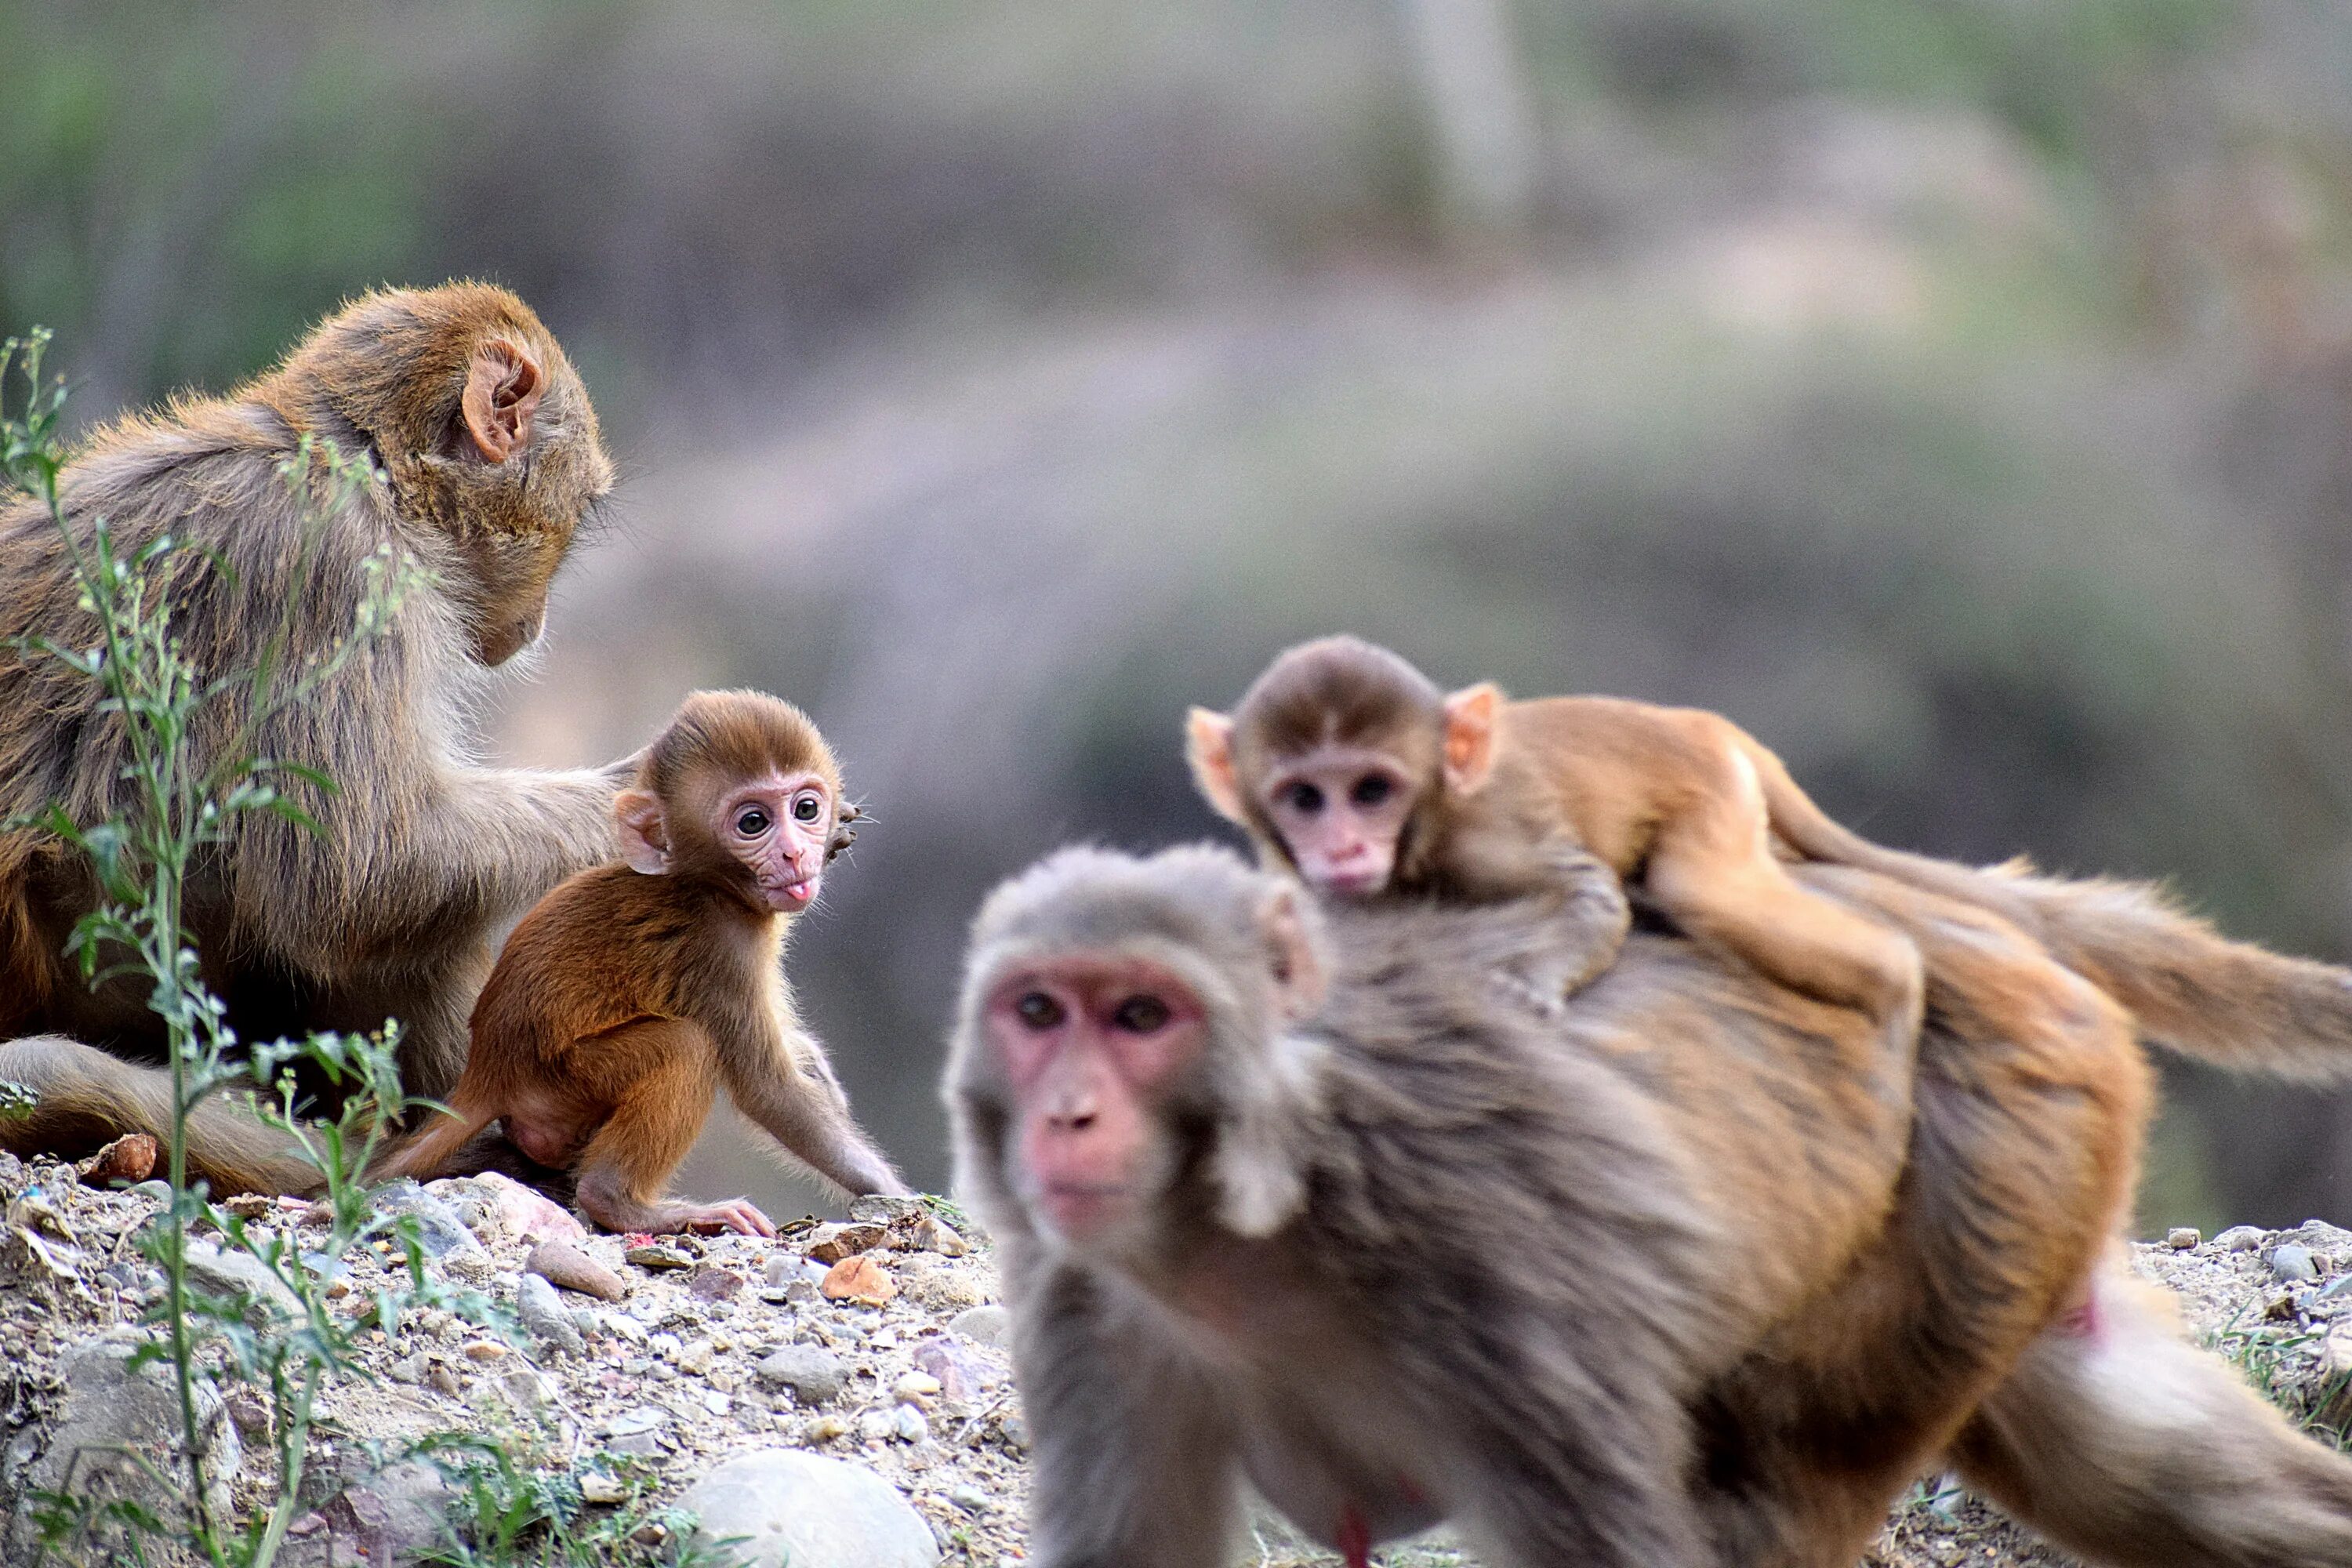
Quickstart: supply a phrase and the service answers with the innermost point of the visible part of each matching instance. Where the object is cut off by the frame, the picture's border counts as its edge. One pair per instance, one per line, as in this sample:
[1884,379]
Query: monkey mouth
[790,896]
[1354,883]
[1081,1208]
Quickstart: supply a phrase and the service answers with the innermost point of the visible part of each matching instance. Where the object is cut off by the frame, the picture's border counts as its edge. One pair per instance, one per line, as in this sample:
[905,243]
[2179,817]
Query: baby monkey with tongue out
[632,991]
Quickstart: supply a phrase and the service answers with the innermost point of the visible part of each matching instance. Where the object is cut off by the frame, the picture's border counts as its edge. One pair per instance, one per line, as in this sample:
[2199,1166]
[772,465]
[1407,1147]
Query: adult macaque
[489,456]
[1661,1281]
[631,991]
[1346,764]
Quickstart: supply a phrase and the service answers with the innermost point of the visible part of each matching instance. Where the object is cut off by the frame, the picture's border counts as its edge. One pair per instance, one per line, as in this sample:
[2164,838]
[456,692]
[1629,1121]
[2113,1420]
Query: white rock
[808,1510]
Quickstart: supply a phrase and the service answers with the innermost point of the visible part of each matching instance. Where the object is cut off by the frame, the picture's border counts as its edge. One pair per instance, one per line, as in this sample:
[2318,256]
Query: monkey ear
[502,390]
[1470,715]
[645,836]
[1299,981]
[1209,748]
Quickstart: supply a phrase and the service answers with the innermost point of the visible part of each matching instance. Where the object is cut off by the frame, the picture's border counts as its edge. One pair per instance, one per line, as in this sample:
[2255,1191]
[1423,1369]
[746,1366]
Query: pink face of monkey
[779,828]
[1341,811]
[1091,1044]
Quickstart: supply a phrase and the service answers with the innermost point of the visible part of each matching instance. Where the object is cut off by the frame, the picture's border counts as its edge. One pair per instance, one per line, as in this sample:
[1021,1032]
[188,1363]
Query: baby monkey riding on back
[1349,765]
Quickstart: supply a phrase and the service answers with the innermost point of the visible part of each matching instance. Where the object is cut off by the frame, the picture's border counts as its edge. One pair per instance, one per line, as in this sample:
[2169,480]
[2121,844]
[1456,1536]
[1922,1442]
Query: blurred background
[1956,393]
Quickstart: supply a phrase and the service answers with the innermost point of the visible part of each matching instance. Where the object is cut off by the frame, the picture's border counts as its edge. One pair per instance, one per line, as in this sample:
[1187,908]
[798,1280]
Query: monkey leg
[2116,1437]
[672,1079]
[1713,872]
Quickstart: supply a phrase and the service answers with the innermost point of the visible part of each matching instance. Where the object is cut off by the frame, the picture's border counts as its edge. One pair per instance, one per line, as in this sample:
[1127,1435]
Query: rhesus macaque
[1349,766]
[489,456]
[1660,1279]
[631,991]
[1346,764]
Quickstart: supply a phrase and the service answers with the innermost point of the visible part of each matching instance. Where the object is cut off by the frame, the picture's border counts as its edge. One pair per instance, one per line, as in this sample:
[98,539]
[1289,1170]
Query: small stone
[160,1192]
[665,1345]
[2293,1260]
[971,1500]
[658,1257]
[642,1418]
[562,1264]
[439,1231]
[517,1212]
[809,1510]
[410,1368]
[827,1428]
[2180,1238]
[782,1268]
[930,1234]
[914,1386]
[485,1351]
[956,1374]
[248,1205]
[252,1417]
[833,1243]
[2240,1238]
[1013,1427]
[596,1486]
[906,1425]
[129,1159]
[858,1279]
[877,1426]
[712,1283]
[990,1326]
[623,1326]
[814,1375]
[696,1357]
[229,1273]
[886,1209]
[544,1318]
[441,1380]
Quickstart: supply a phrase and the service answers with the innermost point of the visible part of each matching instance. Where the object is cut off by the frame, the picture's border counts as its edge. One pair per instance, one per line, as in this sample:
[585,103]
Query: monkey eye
[1038,1010]
[807,808]
[1372,789]
[1141,1014]
[1306,799]
[751,822]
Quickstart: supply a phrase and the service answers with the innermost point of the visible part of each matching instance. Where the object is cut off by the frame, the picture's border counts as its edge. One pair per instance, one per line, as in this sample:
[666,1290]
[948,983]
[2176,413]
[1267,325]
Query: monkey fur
[487,456]
[631,991]
[1582,787]
[1662,1279]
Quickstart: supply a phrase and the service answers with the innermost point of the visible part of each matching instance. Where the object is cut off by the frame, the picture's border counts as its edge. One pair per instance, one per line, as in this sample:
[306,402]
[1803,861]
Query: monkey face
[1091,1045]
[781,828]
[1340,812]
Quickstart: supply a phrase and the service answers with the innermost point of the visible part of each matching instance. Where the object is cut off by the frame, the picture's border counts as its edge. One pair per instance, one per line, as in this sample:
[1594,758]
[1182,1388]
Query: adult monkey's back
[489,454]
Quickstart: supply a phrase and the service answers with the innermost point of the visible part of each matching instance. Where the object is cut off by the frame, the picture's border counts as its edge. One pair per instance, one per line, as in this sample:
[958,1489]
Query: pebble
[439,1231]
[814,1375]
[2240,1238]
[623,1326]
[957,1376]
[2293,1261]
[544,1318]
[562,1264]
[129,1159]
[858,1279]
[230,1272]
[831,1243]
[782,1268]
[658,1257]
[990,1326]
[2180,1238]
[886,1209]
[907,1424]
[598,1487]
[712,1283]
[914,1386]
[485,1351]
[696,1357]
[971,1500]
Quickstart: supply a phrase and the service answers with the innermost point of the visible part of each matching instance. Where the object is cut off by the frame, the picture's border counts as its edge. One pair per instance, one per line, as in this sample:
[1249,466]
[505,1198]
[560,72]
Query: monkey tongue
[788,896]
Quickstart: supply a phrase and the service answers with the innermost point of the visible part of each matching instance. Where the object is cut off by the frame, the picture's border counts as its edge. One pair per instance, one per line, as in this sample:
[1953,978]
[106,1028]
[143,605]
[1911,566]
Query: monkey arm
[783,1080]
[1135,1458]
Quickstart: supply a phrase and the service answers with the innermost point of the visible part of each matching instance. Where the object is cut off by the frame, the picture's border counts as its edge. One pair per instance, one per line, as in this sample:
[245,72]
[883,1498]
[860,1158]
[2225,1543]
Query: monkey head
[1122,1070]
[741,791]
[483,430]
[1335,755]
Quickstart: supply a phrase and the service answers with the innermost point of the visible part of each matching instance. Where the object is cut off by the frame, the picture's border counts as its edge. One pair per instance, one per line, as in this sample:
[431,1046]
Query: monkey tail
[87,1098]
[2188,987]
[427,1152]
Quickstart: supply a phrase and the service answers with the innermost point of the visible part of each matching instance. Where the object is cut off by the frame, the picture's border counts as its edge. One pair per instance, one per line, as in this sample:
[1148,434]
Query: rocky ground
[841,1392]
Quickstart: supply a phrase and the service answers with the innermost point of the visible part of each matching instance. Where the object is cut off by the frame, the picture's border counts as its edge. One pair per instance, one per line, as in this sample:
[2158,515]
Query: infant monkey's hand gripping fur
[632,991]
[1349,766]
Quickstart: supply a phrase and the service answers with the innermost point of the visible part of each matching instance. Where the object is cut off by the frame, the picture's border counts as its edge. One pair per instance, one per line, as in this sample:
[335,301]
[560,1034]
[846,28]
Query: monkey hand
[738,1214]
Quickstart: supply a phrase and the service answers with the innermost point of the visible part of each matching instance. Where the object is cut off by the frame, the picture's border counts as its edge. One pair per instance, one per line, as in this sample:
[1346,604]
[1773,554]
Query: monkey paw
[738,1214]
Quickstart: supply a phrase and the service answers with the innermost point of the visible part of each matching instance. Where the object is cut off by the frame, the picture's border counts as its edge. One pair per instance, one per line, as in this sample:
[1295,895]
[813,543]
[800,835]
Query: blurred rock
[574,1270]
[129,1159]
[544,1318]
[808,1512]
[814,1375]
[439,1230]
